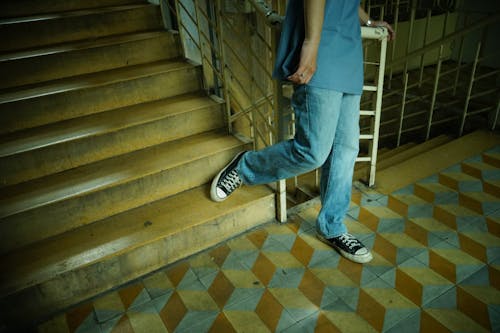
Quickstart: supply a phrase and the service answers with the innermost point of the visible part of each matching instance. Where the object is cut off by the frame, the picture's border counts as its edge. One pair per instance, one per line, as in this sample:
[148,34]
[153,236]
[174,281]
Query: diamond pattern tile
[436,268]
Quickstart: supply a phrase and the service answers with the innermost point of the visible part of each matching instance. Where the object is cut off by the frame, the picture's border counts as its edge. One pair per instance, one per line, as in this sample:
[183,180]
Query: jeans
[326,136]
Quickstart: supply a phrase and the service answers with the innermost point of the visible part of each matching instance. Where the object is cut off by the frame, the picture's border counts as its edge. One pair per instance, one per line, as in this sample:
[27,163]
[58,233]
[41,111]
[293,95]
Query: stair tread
[67,14]
[79,45]
[91,80]
[111,172]
[117,234]
[104,122]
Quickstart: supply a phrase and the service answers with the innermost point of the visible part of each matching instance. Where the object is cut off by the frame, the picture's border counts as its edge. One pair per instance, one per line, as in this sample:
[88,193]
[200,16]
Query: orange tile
[176,273]
[323,325]
[258,237]
[302,251]
[173,312]
[269,310]
[221,289]
[372,311]
[221,324]
[312,287]
[264,269]
[429,324]
[351,269]
[76,316]
[219,254]
[129,294]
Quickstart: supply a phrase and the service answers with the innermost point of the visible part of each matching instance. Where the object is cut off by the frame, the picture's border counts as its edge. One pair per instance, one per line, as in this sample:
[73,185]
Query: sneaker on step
[226,181]
[349,247]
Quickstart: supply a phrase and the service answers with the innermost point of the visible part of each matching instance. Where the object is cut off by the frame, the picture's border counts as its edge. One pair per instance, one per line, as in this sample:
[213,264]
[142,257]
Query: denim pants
[326,136]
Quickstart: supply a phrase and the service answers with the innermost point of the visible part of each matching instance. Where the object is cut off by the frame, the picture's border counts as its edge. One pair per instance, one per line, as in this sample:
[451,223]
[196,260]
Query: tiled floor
[436,268]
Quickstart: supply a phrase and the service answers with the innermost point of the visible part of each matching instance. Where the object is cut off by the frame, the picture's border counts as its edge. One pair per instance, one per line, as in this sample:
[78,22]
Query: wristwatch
[369,23]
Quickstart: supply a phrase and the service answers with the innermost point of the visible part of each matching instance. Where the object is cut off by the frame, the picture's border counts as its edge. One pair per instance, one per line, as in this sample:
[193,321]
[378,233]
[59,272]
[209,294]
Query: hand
[307,63]
[392,33]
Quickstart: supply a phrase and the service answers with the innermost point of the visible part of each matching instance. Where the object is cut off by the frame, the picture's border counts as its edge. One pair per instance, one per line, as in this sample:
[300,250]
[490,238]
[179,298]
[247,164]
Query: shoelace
[350,240]
[231,181]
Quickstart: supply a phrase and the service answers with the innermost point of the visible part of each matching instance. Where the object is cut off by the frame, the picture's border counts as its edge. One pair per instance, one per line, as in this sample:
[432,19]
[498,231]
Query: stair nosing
[79,45]
[65,85]
[6,146]
[90,181]
[258,193]
[71,13]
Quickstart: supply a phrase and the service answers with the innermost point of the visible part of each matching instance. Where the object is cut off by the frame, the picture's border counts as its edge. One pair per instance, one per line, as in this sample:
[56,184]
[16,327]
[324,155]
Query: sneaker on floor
[349,247]
[226,181]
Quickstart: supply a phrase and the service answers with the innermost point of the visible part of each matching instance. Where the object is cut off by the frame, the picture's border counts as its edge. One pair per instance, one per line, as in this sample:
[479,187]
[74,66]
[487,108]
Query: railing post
[378,108]
[402,114]
[434,93]
[469,89]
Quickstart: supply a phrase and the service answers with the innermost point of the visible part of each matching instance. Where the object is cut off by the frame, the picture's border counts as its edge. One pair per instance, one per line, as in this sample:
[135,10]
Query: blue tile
[431,179]
[431,293]
[108,326]
[395,316]
[447,300]
[426,210]
[273,244]
[408,322]
[305,320]
[405,190]
[197,321]
[479,278]
[494,314]
[160,302]
[247,257]
[324,259]
[349,295]
[287,278]
[285,321]
[244,299]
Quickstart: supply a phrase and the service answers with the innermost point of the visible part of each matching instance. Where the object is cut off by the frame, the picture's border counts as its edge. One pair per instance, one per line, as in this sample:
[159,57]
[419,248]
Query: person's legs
[336,184]
[337,171]
[317,112]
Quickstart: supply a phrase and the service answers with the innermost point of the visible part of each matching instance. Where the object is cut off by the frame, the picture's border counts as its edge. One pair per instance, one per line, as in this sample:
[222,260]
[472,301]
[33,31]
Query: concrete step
[80,196]
[399,155]
[434,161]
[116,250]
[60,146]
[58,100]
[16,8]
[83,57]
[21,33]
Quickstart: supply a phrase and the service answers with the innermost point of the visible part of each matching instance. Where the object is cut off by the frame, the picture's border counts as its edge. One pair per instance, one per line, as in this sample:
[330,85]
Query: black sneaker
[349,247]
[226,181]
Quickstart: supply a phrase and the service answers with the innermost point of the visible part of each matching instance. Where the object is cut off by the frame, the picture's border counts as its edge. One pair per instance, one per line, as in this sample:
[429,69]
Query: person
[320,52]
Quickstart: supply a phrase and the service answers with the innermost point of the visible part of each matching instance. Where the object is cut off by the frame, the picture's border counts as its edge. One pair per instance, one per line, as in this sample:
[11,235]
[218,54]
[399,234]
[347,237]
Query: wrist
[369,23]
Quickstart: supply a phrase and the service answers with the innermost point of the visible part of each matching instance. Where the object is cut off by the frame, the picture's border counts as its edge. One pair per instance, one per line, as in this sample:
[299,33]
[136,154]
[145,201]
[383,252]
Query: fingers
[392,33]
[301,76]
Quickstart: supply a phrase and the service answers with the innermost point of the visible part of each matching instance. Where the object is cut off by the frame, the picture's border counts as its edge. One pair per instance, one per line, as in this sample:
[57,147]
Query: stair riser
[31,226]
[61,65]
[31,7]
[76,103]
[31,34]
[45,161]
[73,287]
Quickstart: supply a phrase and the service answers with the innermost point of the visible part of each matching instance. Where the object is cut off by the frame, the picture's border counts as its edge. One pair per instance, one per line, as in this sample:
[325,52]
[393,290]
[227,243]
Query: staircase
[106,150]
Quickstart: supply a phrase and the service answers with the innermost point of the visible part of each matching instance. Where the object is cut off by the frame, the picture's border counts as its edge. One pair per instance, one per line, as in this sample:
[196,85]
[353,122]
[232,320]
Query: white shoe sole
[360,259]
[213,187]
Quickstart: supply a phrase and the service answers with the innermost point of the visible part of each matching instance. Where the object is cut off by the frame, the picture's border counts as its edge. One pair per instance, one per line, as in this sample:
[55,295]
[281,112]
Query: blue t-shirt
[340,53]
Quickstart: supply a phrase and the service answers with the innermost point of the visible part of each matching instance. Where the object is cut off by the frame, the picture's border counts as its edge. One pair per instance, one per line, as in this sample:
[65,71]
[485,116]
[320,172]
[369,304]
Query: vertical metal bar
[459,60]
[410,33]
[469,89]
[426,30]
[393,47]
[434,93]
[225,75]
[495,118]
[378,108]
[201,43]
[280,125]
[402,114]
